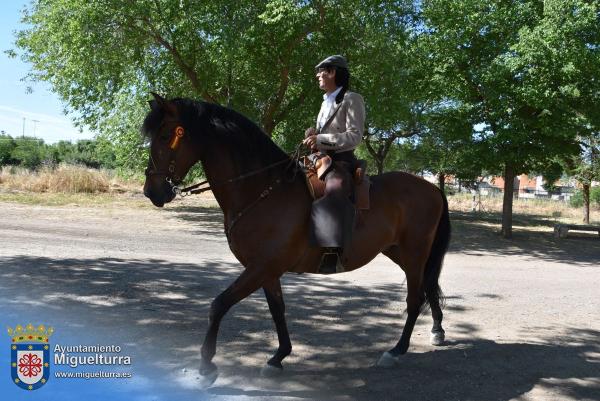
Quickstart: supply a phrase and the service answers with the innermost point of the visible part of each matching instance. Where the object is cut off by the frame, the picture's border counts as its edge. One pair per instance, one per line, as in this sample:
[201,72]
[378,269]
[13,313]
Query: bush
[595,196]
[33,153]
[7,145]
[577,198]
[29,152]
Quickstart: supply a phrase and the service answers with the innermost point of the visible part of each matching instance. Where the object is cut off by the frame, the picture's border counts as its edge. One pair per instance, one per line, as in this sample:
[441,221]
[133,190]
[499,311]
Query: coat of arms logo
[30,355]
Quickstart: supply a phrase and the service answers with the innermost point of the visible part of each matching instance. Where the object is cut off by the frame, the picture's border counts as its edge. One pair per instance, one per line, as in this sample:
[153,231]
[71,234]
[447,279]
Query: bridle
[170,175]
[173,180]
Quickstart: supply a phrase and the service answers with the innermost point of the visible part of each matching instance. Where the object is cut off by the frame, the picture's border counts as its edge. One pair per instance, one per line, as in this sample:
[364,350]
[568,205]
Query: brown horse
[266,207]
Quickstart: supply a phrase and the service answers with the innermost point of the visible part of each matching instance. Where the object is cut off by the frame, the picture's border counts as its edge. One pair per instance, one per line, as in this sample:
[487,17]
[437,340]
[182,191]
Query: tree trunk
[379,163]
[507,204]
[441,181]
[586,203]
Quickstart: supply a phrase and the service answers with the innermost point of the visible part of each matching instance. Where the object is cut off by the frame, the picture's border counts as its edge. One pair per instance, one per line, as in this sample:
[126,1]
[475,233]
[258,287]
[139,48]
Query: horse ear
[158,102]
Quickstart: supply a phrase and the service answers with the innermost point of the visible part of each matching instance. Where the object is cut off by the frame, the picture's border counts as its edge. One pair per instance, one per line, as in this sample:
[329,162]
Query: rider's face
[326,79]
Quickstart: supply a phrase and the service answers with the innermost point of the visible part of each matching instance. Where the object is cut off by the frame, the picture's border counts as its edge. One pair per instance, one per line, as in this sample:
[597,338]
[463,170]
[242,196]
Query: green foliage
[255,56]
[522,71]
[33,152]
[585,165]
[95,153]
[391,162]
[121,131]
[28,152]
[576,200]
[595,196]
[7,145]
[505,62]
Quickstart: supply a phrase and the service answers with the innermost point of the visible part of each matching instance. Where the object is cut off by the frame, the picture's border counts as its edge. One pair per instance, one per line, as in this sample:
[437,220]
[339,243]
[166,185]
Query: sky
[39,113]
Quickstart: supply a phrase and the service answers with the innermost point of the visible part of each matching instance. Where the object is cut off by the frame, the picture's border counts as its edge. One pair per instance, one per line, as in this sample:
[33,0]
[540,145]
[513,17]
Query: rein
[195,189]
[191,190]
[294,159]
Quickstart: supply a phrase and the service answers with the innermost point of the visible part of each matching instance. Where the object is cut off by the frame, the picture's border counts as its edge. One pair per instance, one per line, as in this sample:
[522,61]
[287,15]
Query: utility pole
[23,127]
[35,126]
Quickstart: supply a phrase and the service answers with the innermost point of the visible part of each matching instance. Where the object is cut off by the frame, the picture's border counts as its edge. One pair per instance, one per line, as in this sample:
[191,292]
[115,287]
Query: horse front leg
[248,282]
[274,297]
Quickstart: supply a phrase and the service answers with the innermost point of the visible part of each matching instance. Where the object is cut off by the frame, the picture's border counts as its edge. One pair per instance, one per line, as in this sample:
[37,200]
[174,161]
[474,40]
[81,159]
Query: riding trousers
[332,216]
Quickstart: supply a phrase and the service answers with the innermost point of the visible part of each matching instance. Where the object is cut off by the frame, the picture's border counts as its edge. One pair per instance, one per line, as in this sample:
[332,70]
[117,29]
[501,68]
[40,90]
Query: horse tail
[433,267]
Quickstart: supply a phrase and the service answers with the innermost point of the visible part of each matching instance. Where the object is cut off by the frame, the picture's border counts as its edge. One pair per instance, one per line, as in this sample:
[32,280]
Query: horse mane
[251,146]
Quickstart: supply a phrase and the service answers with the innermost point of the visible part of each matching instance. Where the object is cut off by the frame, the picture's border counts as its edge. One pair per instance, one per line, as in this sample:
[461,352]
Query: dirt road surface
[522,316]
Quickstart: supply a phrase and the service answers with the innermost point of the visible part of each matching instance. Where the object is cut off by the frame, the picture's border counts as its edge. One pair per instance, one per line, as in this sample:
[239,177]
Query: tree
[585,168]
[257,57]
[401,92]
[445,146]
[523,71]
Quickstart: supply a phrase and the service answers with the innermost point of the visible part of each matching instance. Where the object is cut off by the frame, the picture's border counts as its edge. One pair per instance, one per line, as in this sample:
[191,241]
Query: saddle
[316,171]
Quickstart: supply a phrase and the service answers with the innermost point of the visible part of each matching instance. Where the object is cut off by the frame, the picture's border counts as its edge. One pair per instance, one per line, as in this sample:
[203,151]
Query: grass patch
[74,199]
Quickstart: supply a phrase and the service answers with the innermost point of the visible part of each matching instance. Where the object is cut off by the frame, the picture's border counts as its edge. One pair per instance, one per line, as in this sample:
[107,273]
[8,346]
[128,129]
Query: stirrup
[330,264]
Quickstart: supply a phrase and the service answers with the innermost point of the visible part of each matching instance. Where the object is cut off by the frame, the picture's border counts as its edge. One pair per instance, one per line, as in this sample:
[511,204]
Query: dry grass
[66,179]
[558,211]
[79,186]
[69,184]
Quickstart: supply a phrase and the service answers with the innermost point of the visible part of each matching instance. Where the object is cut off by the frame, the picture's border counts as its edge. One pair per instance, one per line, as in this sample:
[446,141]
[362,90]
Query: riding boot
[332,220]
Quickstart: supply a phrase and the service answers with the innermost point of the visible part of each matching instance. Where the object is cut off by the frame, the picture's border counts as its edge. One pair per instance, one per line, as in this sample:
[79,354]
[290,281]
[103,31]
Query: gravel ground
[521,318]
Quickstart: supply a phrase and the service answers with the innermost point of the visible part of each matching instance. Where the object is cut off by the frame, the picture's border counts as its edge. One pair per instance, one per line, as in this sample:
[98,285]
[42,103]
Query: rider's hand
[310,132]
[310,141]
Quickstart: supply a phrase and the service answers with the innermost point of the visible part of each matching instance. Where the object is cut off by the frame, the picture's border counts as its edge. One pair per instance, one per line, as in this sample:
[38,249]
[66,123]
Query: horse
[266,206]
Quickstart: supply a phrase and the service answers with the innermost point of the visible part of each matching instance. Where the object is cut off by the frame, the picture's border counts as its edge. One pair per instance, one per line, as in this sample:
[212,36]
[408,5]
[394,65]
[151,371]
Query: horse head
[172,149]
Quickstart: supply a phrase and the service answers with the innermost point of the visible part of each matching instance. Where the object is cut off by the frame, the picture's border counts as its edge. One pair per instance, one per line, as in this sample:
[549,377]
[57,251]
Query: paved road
[521,316]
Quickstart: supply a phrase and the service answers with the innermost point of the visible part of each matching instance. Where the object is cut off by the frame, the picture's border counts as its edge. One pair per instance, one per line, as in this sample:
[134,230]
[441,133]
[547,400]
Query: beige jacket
[343,129]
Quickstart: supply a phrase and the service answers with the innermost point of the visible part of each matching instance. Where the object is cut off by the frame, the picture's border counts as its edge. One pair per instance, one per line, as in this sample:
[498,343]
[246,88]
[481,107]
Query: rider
[339,130]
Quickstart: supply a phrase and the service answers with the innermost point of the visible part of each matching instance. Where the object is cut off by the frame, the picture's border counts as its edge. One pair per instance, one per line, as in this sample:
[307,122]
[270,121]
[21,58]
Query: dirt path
[521,316]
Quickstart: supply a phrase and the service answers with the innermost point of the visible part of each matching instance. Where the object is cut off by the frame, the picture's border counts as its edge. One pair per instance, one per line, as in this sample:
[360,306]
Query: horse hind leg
[434,294]
[438,335]
[274,297]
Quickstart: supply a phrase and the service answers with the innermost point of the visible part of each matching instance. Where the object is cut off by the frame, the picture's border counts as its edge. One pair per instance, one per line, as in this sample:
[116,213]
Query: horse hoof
[208,379]
[437,338]
[270,371]
[388,360]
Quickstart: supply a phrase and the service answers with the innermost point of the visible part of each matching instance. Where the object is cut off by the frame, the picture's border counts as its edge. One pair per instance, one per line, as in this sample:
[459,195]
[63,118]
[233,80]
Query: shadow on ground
[338,332]
[209,219]
[533,237]
[471,234]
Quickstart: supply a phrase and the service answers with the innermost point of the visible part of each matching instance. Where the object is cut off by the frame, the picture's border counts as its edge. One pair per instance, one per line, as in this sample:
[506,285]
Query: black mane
[251,146]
